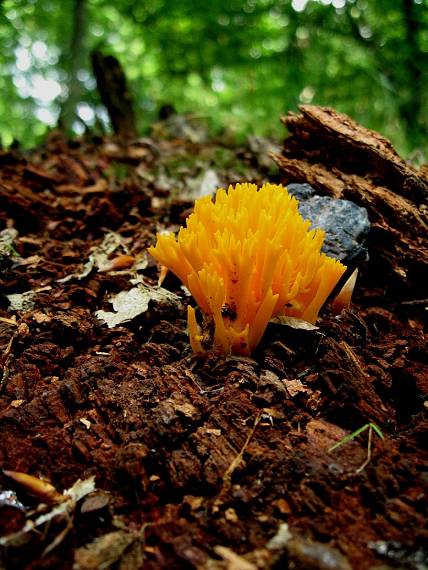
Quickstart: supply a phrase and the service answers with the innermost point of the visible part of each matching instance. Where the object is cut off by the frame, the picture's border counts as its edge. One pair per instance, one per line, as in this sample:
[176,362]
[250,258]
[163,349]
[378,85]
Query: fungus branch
[246,257]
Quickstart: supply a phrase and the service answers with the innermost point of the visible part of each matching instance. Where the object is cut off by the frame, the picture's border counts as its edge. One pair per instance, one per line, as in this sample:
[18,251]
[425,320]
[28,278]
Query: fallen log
[342,159]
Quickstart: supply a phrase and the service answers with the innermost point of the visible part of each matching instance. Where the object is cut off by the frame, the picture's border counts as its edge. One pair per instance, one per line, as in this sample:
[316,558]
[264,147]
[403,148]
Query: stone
[301,191]
[346,225]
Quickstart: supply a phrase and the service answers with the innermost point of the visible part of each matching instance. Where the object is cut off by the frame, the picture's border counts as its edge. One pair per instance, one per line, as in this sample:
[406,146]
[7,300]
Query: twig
[227,476]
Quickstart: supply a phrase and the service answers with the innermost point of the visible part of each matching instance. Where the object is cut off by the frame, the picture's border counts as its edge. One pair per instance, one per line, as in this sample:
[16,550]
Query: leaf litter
[162,429]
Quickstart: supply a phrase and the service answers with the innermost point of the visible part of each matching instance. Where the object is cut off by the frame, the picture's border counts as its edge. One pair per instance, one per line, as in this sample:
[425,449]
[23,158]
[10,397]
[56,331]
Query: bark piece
[342,159]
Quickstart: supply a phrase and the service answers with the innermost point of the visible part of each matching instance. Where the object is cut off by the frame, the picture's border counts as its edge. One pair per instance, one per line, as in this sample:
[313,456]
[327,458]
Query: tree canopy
[237,63]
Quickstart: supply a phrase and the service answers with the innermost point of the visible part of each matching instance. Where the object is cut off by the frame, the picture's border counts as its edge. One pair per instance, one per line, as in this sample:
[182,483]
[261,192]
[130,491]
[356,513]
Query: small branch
[227,477]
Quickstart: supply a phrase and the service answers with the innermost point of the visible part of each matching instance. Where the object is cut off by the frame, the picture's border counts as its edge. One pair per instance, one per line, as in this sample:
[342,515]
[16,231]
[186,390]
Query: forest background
[235,64]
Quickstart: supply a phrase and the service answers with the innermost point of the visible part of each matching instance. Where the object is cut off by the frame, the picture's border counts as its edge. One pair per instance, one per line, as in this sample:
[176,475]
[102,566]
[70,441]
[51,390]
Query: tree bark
[76,60]
[114,93]
[340,158]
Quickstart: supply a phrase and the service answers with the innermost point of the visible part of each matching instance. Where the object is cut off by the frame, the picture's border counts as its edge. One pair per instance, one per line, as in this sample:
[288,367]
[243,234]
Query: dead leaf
[70,497]
[231,560]
[95,502]
[21,301]
[7,240]
[8,331]
[206,183]
[11,321]
[129,304]
[195,503]
[230,515]
[294,323]
[294,387]
[98,188]
[118,263]
[105,550]
[39,488]
[99,258]
[283,506]
[85,422]
[213,431]
[30,262]
[41,317]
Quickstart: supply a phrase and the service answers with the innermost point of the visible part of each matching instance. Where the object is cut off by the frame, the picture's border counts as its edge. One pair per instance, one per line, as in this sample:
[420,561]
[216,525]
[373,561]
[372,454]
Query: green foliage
[239,63]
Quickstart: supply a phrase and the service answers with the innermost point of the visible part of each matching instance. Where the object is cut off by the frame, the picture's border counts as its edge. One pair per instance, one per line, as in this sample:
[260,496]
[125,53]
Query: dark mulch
[189,455]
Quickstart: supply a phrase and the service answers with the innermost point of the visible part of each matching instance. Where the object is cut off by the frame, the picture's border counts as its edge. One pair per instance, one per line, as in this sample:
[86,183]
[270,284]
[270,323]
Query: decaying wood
[189,463]
[342,159]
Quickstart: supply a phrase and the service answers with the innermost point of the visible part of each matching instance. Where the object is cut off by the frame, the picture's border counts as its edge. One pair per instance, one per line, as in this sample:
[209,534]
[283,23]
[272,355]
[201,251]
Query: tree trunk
[76,60]
[417,61]
[114,93]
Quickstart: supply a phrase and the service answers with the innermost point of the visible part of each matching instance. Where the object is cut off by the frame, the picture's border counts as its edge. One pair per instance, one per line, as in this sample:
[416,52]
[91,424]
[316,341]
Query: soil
[198,463]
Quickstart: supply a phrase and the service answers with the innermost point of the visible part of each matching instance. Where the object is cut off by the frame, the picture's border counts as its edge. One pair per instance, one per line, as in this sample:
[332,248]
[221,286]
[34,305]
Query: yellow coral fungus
[245,257]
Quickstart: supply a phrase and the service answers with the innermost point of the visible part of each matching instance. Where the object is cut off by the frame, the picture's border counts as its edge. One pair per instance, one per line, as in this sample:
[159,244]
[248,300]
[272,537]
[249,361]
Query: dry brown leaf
[70,497]
[39,488]
[293,323]
[129,304]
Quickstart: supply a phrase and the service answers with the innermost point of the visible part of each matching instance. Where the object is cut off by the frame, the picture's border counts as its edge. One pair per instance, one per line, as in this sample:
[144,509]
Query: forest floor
[183,462]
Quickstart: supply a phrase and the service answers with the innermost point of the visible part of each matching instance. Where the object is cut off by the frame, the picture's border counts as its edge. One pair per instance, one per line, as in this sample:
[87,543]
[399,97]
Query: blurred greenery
[239,64]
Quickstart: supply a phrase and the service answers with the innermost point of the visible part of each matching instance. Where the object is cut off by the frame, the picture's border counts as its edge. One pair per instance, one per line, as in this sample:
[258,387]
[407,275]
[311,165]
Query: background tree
[75,59]
[240,63]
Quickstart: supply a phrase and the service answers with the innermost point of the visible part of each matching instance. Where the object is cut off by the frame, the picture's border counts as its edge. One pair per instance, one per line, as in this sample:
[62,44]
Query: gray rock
[346,225]
[301,191]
